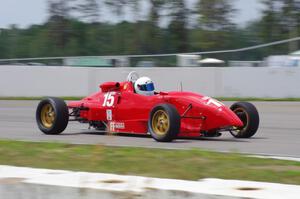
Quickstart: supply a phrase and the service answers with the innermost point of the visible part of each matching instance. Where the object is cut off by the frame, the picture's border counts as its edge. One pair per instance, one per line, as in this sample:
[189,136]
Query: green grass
[219,98]
[179,164]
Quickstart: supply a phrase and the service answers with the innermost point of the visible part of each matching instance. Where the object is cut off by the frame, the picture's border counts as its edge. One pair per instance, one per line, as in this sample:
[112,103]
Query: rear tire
[52,116]
[248,114]
[164,123]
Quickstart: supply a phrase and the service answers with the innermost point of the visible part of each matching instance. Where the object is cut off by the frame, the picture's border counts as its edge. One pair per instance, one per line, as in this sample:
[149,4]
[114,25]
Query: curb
[41,180]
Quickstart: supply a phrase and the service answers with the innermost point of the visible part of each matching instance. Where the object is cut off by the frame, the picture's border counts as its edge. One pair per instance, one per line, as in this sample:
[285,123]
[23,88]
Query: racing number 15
[109,99]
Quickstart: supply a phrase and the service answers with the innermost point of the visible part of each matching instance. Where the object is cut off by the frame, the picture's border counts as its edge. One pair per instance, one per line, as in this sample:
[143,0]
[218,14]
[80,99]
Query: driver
[144,86]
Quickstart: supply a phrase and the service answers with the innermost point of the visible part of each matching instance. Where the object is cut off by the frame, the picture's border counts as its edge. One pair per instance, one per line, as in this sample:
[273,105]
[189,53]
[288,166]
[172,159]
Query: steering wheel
[132,76]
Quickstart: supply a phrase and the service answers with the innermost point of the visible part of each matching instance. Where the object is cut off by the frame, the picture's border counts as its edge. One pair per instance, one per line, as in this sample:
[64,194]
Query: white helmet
[144,86]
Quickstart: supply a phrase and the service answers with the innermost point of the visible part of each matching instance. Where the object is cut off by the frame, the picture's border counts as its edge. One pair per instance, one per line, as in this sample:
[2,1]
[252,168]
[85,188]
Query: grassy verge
[219,98]
[178,164]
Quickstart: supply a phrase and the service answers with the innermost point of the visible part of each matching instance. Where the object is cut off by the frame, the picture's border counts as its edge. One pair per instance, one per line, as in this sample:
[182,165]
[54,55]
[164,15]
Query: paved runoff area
[22,182]
[278,135]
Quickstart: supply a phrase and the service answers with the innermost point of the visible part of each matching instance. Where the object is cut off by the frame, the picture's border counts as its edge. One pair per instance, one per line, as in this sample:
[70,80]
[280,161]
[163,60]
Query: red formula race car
[122,107]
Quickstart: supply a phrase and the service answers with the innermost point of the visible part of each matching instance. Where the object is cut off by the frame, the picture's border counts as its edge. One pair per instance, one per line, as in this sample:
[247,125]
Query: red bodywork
[124,111]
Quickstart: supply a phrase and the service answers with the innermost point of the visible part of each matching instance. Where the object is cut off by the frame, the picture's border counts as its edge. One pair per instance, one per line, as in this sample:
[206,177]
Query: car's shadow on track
[93,132]
[85,133]
[258,138]
[179,140]
[218,139]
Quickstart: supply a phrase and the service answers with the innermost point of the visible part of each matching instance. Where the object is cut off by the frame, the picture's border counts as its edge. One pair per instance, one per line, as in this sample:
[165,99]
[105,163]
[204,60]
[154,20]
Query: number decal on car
[212,101]
[109,99]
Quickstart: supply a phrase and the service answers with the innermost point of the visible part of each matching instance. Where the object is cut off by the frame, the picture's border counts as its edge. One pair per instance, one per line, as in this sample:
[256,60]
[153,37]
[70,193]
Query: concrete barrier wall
[225,82]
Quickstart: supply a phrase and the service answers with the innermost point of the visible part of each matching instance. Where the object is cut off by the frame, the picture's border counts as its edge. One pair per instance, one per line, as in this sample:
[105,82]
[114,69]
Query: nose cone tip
[238,122]
[232,119]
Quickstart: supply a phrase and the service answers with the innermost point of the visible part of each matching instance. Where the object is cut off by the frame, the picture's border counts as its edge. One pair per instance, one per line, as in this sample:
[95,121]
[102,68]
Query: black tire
[172,118]
[249,116]
[53,122]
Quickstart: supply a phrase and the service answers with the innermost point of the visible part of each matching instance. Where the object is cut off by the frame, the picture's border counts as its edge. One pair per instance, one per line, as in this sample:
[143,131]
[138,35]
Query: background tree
[216,14]
[177,29]
[152,41]
[290,21]
[215,23]
[4,44]
[270,21]
[74,27]
[59,29]
[89,10]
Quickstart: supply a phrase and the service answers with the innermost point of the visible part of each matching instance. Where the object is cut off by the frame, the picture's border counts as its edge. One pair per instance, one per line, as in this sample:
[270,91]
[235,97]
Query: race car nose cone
[235,120]
[231,119]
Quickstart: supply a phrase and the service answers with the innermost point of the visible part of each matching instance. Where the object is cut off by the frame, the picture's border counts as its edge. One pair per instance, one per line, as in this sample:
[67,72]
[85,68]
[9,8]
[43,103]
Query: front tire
[248,114]
[52,116]
[164,123]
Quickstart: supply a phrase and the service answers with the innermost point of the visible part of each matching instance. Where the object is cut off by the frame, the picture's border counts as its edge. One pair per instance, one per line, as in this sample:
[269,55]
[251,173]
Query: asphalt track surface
[279,132]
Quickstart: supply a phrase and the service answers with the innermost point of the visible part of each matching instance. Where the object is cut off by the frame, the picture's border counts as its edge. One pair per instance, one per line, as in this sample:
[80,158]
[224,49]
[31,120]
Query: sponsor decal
[109,114]
[116,125]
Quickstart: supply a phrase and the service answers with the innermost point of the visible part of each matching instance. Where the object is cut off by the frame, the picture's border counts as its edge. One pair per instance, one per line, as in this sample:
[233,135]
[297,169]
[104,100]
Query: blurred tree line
[75,28]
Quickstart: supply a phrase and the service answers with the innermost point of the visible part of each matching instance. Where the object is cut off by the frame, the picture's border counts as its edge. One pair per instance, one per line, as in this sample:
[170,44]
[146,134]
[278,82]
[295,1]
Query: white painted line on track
[122,183]
[276,157]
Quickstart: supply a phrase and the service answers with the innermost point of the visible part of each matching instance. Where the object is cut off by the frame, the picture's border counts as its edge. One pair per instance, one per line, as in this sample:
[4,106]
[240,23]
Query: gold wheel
[47,115]
[160,122]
